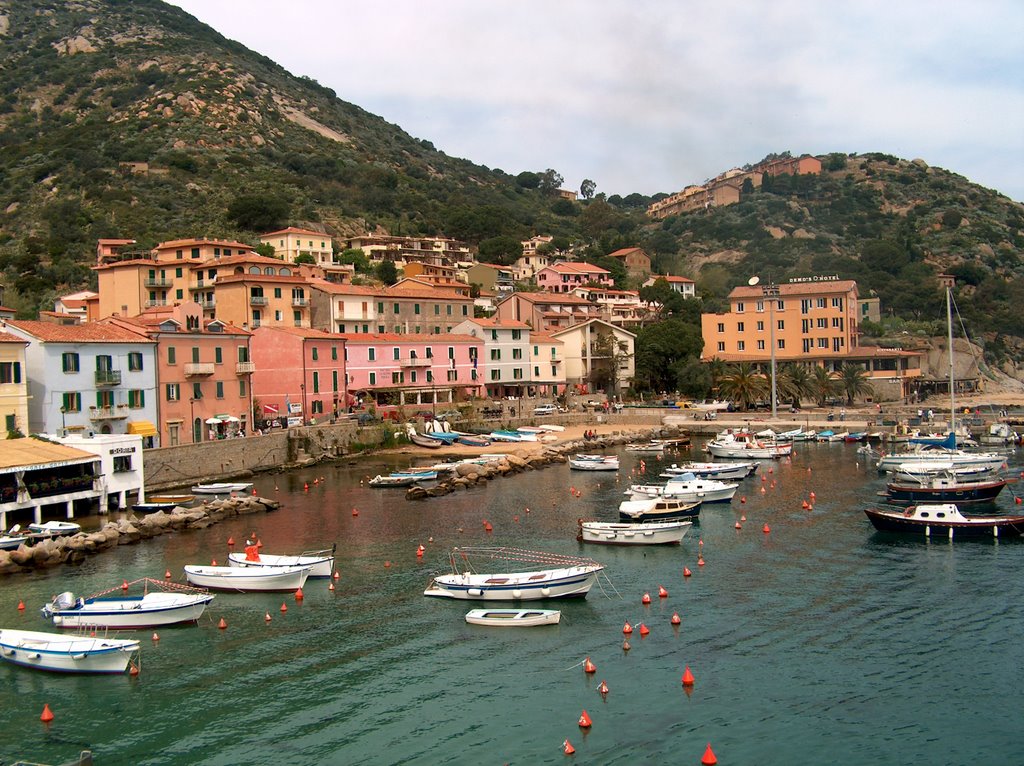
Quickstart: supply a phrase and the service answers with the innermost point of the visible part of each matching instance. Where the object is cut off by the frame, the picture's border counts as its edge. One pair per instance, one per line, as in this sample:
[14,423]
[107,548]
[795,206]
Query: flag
[270,409]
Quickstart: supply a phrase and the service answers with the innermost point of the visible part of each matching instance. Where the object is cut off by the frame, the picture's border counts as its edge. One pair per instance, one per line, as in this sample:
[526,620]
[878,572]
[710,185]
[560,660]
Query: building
[563,276]
[300,375]
[635,260]
[41,479]
[682,285]
[547,311]
[491,278]
[598,357]
[413,369]
[251,290]
[121,466]
[401,250]
[547,365]
[92,377]
[869,309]
[620,307]
[409,308]
[793,166]
[434,275]
[534,258]
[75,305]
[506,350]
[291,242]
[695,198]
[13,384]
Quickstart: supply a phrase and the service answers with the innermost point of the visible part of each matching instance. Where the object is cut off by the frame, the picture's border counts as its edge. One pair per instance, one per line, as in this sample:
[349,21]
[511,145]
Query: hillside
[133,119]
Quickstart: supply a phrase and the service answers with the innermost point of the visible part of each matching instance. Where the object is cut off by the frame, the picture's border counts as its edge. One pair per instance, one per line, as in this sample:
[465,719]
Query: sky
[651,96]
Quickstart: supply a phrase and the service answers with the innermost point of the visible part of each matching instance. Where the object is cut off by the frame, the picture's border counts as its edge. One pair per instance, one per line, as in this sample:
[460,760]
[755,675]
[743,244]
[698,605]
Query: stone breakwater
[467,475]
[73,549]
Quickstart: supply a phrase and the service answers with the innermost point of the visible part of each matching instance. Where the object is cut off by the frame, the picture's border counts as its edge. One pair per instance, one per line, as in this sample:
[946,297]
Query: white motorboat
[658,509]
[14,538]
[619,533]
[563,577]
[402,480]
[170,605]
[249,579]
[222,488]
[686,487]
[646,448]
[945,520]
[321,561]
[66,654]
[55,528]
[513,618]
[746,446]
[594,463]
[716,471]
[942,453]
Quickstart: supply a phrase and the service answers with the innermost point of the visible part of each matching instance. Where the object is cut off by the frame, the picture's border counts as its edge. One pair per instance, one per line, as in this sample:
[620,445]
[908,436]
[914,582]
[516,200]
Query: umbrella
[232,419]
[212,421]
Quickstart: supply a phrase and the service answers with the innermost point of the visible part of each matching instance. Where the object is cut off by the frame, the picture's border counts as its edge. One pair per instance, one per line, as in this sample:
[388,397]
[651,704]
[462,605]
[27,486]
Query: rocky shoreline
[73,549]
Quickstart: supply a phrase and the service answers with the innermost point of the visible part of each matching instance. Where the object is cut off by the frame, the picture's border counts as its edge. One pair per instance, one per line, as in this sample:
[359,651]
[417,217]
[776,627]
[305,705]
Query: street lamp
[63,424]
[770,292]
[192,420]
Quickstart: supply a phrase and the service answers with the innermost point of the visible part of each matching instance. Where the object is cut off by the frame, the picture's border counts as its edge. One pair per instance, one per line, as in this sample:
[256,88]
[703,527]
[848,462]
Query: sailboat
[945,451]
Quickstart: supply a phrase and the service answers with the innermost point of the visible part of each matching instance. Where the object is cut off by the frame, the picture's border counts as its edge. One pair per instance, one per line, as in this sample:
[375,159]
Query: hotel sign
[816,278]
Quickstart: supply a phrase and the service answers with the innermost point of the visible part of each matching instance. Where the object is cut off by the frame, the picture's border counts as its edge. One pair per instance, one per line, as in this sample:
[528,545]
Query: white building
[506,354]
[98,378]
[682,285]
[121,469]
[594,348]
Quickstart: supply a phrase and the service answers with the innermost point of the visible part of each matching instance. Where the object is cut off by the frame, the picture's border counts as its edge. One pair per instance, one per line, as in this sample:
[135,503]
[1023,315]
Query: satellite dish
[753,281]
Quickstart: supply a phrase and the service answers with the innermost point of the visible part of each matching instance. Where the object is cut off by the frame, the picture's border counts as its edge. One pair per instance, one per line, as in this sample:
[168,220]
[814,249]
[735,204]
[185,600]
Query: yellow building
[290,243]
[13,384]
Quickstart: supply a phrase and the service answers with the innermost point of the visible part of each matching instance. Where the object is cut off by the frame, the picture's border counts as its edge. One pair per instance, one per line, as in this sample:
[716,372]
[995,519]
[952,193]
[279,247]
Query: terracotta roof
[293,230]
[543,337]
[564,330]
[334,288]
[563,298]
[134,262]
[223,279]
[799,288]
[670,278]
[577,268]
[90,332]
[6,310]
[622,253]
[6,337]
[395,337]
[301,332]
[229,260]
[496,322]
[175,243]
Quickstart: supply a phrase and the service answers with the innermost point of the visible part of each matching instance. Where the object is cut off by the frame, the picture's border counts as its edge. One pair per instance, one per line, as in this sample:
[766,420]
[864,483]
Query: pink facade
[300,374]
[565,277]
[393,368]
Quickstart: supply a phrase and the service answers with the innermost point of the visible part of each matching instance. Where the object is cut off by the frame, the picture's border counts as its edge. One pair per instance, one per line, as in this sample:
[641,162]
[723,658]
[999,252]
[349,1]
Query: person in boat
[252,550]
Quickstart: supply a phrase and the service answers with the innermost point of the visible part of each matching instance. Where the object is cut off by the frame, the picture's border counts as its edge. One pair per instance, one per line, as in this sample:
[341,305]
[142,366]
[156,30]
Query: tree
[503,250]
[304,258]
[265,249]
[387,272]
[662,351]
[257,212]
[795,383]
[743,385]
[587,188]
[354,256]
[550,181]
[528,180]
[605,361]
[853,382]
[823,385]
[662,298]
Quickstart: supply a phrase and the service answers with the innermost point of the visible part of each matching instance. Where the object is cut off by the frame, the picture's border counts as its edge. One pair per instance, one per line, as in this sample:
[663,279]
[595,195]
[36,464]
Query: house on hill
[636,261]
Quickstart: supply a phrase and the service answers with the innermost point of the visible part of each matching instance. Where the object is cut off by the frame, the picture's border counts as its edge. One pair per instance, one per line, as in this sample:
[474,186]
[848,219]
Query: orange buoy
[213,562]
[708,759]
[156,636]
[588,666]
[764,491]
[700,561]
[686,572]
[743,519]
[21,606]
[688,678]
[625,646]
[284,607]
[627,628]
[47,715]
[330,586]
[804,505]
[355,512]
[766,529]
[231,541]
[738,525]
[515,519]
[810,507]
[603,688]
[1016,500]
[222,624]
[567,748]
[387,565]
[299,595]
[124,585]
[676,620]
[316,481]
[267,617]
[419,553]
[646,599]
[763,478]
[167,574]
[772,485]
[743,499]
[585,722]
[488,527]
[254,493]
[305,487]
[662,593]
[133,670]
[644,630]
[337,575]
[813,496]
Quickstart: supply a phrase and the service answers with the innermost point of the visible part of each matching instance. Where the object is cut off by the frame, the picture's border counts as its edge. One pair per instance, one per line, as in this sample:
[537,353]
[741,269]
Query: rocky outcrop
[132,529]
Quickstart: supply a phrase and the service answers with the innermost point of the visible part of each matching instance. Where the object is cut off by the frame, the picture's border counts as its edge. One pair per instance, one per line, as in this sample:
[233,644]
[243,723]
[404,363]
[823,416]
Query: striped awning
[142,428]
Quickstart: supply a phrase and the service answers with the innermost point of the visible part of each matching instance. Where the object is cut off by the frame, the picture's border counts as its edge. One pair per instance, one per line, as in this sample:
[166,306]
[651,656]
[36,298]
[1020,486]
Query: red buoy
[305,487]
[813,496]
[299,595]
[156,636]
[743,519]
[686,572]
[167,574]
[743,499]
[646,598]
[567,748]
[284,607]
[231,541]
[488,527]
[603,688]
[708,758]
[676,619]
[124,585]
[21,606]
[330,586]
[387,565]
[133,669]
[688,678]
[588,666]
[222,624]
[267,617]
[419,554]
[738,525]
[763,478]
[766,529]
[47,715]
[625,646]
[213,562]
[355,512]
[627,628]
[585,722]
[700,561]
[644,630]
[662,593]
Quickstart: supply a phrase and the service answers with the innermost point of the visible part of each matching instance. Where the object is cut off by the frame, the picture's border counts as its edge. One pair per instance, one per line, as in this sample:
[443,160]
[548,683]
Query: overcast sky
[644,96]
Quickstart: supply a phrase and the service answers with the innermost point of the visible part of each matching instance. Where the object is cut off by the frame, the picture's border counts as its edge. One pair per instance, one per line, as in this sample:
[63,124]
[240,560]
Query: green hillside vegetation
[234,145]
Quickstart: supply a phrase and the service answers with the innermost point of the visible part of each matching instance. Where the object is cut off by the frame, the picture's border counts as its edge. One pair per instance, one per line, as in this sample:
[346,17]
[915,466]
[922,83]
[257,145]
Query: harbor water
[819,641]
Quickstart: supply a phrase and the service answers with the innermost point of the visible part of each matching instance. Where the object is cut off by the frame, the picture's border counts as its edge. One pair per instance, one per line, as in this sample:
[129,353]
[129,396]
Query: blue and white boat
[165,604]
[66,654]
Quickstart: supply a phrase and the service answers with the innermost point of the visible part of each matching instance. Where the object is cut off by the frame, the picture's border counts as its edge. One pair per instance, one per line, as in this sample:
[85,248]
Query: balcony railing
[196,369]
[245,368]
[158,302]
[108,377]
[157,282]
[299,302]
[414,361]
[117,412]
[258,300]
[209,305]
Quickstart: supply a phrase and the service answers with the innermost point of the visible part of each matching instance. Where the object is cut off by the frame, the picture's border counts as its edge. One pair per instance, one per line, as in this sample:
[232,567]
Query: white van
[545,409]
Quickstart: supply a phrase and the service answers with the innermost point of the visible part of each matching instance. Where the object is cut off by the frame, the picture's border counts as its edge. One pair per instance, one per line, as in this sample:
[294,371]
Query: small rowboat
[225,488]
[513,618]
[650,533]
[66,654]
[321,561]
[55,528]
[245,579]
[594,463]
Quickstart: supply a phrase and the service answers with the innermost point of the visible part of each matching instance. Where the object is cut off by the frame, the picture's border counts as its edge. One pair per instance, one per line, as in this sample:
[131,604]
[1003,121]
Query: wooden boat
[472,440]
[658,509]
[154,507]
[746,446]
[15,538]
[648,448]
[594,463]
[322,562]
[169,604]
[716,471]
[561,577]
[55,528]
[222,488]
[406,480]
[856,436]
[182,500]
[944,520]
[688,488]
[513,618]
[677,443]
[425,441]
[944,487]
[249,579]
[650,533]
[66,654]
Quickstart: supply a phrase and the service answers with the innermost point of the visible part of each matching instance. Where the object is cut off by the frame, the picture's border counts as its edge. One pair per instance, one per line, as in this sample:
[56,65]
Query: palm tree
[717,367]
[743,384]
[853,381]
[823,385]
[795,383]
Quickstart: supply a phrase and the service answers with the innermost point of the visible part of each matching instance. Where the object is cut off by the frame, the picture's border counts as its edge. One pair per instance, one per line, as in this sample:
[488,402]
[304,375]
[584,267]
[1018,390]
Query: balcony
[152,304]
[157,282]
[413,361]
[118,412]
[198,369]
[108,378]
[209,305]
[245,368]
[257,300]
[298,302]
[200,285]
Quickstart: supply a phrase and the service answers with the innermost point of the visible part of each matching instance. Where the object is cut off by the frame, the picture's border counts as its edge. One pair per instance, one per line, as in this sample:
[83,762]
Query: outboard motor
[65,600]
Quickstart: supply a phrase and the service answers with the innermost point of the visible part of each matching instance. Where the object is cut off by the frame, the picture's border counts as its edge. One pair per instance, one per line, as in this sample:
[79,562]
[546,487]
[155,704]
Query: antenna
[753,281]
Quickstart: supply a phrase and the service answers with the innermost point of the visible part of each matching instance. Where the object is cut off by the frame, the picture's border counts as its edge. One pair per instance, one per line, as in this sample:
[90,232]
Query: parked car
[545,409]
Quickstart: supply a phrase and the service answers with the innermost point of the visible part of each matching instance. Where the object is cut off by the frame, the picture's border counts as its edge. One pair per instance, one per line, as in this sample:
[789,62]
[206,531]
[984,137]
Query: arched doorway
[197,430]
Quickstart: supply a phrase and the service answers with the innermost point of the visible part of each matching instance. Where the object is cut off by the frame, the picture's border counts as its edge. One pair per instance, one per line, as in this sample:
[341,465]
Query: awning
[142,428]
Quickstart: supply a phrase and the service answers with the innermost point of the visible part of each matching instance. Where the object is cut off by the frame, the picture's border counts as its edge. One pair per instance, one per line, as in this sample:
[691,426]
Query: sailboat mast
[949,330]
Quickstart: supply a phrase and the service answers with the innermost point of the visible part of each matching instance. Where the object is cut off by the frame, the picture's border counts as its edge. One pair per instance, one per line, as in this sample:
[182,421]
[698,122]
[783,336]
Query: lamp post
[192,419]
[770,292]
[302,388]
[63,423]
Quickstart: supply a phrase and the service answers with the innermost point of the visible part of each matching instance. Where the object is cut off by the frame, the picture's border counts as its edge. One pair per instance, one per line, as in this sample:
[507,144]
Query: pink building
[563,277]
[413,368]
[300,374]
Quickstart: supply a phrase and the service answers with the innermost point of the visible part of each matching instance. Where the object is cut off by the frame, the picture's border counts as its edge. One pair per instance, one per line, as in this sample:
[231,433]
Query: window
[173,392]
[136,399]
[536,350]
[739,307]
[10,423]
[437,309]
[396,353]
[453,375]
[760,345]
[820,303]
[554,371]
[517,334]
[71,401]
[805,325]
[536,371]
[220,389]
[334,353]
[177,272]
[297,318]
[517,353]
[396,378]
[10,372]
[315,354]
[449,309]
[317,407]
[837,322]
[197,390]
[122,463]
[397,308]
[415,308]
[218,355]
[760,307]
[721,326]
[412,376]
[837,344]
[837,303]
[517,373]
[373,378]
[69,362]
[495,354]
[195,355]
[805,305]
[495,375]
[380,307]
[780,343]
[822,342]
[380,328]
[430,376]
[134,361]
[741,346]
[760,326]
[316,382]
[179,294]
[242,389]
[473,374]
[171,355]
[104,399]
[780,324]
[822,323]
[740,327]
[277,292]
[808,344]
[371,354]
[465,311]
[334,381]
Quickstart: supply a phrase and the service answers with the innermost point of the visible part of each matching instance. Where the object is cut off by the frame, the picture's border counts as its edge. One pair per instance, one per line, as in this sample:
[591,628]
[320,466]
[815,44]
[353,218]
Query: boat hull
[149,611]
[963,495]
[513,618]
[220,489]
[643,511]
[322,566]
[577,464]
[611,533]
[973,526]
[246,580]
[61,654]
[684,493]
[716,471]
[574,582]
